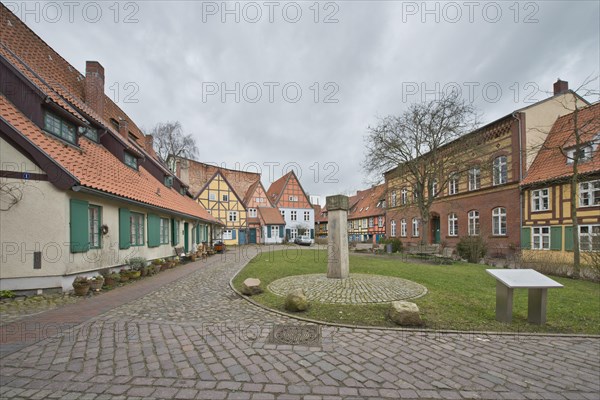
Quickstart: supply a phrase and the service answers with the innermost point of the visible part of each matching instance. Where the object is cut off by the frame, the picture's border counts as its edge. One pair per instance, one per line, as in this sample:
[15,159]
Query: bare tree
[169,139]
[417,146]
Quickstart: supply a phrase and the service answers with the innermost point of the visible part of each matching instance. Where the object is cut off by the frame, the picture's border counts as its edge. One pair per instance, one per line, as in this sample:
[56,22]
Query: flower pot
[81,289]
[109,281]
[96,284]
[124,277]
[143,271]
[135,274]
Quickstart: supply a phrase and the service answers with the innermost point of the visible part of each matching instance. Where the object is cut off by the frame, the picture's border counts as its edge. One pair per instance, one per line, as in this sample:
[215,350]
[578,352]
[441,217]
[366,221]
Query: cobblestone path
[194,338]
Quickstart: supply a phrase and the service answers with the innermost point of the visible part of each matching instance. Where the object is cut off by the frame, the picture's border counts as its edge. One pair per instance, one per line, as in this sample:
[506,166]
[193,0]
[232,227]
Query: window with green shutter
[568,238]
[164,231]
[136,229]
[124,228]
[153,230]
[525,238]
[78,225]
[95,224]
[556,238]
[174,232]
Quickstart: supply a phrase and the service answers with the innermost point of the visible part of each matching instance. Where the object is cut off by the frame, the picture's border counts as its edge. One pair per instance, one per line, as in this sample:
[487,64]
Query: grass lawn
[460,296]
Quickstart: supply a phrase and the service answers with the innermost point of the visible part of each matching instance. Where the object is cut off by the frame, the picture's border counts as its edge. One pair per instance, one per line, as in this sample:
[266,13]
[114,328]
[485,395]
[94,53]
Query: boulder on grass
[296,301]
[251,286]
[405,313]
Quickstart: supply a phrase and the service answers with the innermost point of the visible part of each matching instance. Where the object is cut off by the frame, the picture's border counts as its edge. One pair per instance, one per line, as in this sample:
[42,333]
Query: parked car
[303,240]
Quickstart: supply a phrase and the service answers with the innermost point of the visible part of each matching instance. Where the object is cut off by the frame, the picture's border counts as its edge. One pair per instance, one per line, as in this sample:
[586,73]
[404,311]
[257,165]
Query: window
[589,237]
[403,227]
[453,184]
[136,233]
[232,216]
[293,233]
[393,198]
[259,200]
[293,198]
[589,194]
[393,228]
[164,231]
[225,197]
[307,215]
[274,230]
[283,213]
[500,171]
[360,223]
[252,212]
[452,224]
[294,215]
[365,223]
[379,222]
[404,195]
[415,223]
[91,134]
[130,160]
[499,221]
[434,188]
[95,221]
[59,127]
[168,181]
[228,234]
[473,223]
[212,196]
[585,154]
[540,200]
[541,238]
[415,194]
[474,178]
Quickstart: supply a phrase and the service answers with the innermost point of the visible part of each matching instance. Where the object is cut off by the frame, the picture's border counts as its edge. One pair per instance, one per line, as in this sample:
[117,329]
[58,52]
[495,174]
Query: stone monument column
[337,232]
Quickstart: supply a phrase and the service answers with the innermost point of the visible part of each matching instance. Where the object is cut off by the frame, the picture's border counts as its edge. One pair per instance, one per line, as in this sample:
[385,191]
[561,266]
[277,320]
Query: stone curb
[416,330]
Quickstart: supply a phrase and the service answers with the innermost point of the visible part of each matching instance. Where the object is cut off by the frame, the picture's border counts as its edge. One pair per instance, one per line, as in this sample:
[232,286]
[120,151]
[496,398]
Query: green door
[186,236]
[436,230]
[252,236]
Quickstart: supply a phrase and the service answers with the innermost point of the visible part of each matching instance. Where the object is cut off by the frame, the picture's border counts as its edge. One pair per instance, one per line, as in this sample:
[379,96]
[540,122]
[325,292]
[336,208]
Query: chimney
[560,87]
[149,142]
[124,128]
[94,86]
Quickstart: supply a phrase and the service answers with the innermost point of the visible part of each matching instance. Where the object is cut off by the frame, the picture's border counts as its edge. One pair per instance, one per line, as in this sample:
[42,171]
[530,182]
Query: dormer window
[91,133]
[585,154]
[182,191]
[130,160]
[59,127]
[168,181]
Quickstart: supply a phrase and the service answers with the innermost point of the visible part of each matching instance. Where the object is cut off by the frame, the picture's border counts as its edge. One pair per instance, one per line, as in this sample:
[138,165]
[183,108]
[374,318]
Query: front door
[252,236]
[186,237]
[435,230]
[242,239]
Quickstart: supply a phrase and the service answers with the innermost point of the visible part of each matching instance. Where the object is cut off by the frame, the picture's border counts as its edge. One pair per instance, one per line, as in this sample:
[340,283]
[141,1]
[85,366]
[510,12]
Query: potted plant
[135,274]
[81,286]
[96,283]
[124,275]
[111,280]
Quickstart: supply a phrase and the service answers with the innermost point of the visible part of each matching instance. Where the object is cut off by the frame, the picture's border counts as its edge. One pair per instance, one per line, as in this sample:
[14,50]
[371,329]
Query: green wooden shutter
[556,238]
[568,238]
[124,228]
[206,233]
[525,238]
[198,234]
[233,234]
[268,231]
[312,233]
[174,232]
[79,225]
[288,233]
[153,230]
[281,231]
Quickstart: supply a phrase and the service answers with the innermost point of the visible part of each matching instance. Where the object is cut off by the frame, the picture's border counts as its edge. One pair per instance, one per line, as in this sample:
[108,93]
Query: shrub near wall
[396,244]
[471,248]
[561,263]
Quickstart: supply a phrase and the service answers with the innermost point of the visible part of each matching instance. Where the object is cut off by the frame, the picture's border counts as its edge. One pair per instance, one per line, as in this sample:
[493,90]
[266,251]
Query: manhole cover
[305,335]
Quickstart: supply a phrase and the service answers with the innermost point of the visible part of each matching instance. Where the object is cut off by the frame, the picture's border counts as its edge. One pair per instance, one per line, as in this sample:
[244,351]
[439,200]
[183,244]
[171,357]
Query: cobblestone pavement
[195,339]
[11,311]
[356,289]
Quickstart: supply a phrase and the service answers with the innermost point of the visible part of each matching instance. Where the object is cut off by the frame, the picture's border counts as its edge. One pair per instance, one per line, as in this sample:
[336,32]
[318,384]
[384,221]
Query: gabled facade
[81,189]
[289,197]
[257,199]
[272,225]
[547,232]
[366,217]
[320,221]
[483,198]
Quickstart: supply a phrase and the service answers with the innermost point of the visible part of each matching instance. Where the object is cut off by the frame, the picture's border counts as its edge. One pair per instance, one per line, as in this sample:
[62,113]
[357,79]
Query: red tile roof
[277,187]
[364,203]
[96,168]
[271,216]
[551,163]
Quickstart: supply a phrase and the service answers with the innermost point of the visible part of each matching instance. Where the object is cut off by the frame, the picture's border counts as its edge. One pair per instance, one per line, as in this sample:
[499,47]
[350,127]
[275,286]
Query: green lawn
[460,296]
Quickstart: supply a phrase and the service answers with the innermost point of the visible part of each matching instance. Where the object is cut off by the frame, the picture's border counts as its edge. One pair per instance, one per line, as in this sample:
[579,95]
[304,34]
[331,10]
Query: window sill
[498,237]
[540,211]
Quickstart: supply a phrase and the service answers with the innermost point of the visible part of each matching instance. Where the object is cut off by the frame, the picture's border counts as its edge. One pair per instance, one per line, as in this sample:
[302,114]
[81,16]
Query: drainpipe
[515,116]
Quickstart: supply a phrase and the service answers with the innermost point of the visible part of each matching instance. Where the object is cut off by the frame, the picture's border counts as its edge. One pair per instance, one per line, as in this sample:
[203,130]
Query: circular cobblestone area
[357,289]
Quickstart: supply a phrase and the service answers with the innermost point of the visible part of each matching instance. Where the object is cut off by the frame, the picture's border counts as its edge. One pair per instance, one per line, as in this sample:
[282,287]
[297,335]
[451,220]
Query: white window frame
[252,212]
[225,197]
[453,184]
[293,215]
[393,198]
[371,222]
[307,215]
[212,196]
[540,238]
[434,186]
[380,222]
[500,170]
[227,234]
[586,239]
[474,178]
[275,231]
[293,198]
[404,195]
[585,154]
[452,224]
[403,230]
[393,228]
[540,199]
[232,216]
[415,227]
[589,193]
[474,226]
[499,221]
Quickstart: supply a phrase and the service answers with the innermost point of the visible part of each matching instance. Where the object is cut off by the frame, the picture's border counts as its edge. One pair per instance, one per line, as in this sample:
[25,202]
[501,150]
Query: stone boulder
[251,286]
[296,301]
[405,313]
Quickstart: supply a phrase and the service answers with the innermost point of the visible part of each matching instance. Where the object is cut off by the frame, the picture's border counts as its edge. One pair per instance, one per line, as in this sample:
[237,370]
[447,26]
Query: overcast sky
[353,61]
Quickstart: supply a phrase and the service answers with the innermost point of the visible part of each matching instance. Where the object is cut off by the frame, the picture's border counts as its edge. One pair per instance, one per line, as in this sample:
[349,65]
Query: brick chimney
[149,143]
[124,128]
[94,86]
[560,87]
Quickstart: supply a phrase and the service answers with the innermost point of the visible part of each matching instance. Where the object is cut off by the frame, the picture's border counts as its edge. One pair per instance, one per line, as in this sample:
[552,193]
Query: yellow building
[547,234]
